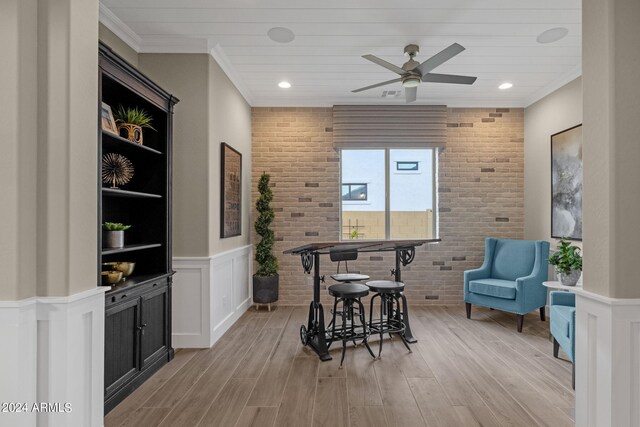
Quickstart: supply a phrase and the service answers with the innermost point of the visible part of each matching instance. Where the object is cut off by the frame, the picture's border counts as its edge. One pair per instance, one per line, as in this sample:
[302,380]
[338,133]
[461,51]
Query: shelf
[135,280]
[115,142]
[116,192]
[129,248]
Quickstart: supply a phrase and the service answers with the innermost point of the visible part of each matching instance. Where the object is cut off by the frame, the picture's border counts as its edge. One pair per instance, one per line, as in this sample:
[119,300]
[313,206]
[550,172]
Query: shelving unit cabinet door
[155,318]
[121,361]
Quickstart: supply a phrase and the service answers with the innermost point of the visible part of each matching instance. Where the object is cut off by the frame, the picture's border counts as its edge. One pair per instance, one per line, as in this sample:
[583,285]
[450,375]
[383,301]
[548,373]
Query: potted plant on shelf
[130,122]
[113,234]
[265,280]
[567,261]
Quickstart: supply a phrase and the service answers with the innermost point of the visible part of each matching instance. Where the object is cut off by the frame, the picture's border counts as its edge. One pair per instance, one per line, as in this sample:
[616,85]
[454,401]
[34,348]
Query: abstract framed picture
[230,192]
[566,184]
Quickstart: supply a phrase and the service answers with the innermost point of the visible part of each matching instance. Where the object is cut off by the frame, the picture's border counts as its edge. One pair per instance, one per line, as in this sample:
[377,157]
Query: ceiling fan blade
[388,82]
[410,94]
[385,64]
[439,58]
[448,78]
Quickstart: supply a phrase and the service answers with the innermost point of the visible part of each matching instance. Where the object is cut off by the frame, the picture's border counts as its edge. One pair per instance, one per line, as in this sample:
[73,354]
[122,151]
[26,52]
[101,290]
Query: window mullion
[387,194]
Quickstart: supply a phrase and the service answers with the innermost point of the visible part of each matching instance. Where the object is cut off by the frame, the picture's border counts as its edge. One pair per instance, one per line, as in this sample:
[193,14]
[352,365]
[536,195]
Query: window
[356,192]
[398,205]
[407,166]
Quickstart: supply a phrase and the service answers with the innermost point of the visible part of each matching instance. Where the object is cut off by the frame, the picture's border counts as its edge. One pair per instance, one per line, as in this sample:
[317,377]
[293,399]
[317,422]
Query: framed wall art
[230,192]
[566,184]
[108,122]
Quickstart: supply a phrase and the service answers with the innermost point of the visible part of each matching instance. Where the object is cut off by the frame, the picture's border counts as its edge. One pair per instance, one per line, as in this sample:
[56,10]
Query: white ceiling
[324,62]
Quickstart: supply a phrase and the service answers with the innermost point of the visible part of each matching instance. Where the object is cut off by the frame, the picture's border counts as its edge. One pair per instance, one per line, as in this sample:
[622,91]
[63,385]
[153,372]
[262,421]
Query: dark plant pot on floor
[265,289]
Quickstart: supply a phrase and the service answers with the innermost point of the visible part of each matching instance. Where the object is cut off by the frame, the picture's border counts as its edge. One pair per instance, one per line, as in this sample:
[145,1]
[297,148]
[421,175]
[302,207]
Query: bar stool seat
[349,277]
[348,290]
[385,286]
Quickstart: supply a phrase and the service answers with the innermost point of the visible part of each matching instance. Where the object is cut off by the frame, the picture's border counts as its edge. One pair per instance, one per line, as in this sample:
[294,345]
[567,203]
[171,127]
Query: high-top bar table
[314,334]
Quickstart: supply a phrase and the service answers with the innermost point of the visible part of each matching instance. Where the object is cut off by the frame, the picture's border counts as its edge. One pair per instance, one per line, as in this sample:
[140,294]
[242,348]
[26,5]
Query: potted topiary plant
[130,122]
[265,280]
[113,234]
[567,262]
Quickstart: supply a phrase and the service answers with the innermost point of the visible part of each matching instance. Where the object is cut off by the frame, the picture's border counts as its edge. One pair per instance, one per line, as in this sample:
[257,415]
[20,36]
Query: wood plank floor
[461,372]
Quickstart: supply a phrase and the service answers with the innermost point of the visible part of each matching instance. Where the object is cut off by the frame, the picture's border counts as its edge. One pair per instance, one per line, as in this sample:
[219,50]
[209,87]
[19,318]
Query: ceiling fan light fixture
[505,86]
[284,85]
[411,81]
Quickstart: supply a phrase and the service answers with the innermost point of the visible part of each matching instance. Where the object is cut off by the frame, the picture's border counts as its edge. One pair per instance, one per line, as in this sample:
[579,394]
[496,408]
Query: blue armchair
[510,279]
[563,324]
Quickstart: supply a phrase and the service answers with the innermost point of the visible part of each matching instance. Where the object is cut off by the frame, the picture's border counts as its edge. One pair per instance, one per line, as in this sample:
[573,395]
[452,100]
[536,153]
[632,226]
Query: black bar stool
[391,317]
[348,295]
[346,255]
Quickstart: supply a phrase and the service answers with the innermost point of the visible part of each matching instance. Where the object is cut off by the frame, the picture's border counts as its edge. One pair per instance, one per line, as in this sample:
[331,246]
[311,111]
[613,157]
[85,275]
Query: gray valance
[377,125]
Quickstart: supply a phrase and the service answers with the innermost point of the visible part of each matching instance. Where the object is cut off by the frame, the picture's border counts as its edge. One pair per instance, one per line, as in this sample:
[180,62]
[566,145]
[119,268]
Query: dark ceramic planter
[265,289]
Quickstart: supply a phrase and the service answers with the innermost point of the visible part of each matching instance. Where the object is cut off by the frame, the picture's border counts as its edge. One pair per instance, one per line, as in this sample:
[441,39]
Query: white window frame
[387,181]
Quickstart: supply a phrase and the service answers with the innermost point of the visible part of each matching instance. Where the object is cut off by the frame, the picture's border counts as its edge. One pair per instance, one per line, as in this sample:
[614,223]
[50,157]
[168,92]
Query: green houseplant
[265,280]
[130,122]
[113,234]
[567,261]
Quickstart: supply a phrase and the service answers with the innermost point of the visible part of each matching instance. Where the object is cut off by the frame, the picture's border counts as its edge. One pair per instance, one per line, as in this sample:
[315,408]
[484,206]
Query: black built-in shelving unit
[138,310]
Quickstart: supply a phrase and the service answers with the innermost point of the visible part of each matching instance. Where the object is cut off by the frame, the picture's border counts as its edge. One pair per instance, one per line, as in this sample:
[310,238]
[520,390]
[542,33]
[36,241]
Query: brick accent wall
[480,188]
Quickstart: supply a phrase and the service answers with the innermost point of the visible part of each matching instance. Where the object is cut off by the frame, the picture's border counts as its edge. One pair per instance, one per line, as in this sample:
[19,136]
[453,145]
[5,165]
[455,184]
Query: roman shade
[382,125]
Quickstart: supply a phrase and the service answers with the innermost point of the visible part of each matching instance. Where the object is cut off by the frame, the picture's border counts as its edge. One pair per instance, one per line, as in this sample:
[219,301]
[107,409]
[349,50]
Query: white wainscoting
[53,352]
[209,295]
[608,361]
[18,358]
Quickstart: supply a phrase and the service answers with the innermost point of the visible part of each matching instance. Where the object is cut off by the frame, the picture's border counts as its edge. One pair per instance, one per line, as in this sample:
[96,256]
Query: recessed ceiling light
[281,35]
[504,86]
[284,85]
[552,35]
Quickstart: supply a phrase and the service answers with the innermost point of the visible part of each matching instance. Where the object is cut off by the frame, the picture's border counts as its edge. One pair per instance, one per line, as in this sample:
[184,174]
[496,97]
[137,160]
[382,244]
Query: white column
[608,311]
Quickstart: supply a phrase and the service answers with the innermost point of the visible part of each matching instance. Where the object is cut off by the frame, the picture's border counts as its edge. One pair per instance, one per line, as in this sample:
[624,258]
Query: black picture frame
[107,120]
[230,191]
[566,184]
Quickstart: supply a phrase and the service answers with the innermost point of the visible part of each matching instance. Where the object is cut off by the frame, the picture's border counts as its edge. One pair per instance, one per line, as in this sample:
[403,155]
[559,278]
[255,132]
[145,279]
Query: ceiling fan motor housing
[412,50]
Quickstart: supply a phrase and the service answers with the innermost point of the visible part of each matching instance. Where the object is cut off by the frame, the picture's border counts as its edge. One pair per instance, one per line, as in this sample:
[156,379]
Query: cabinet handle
[141,328]
[123,296]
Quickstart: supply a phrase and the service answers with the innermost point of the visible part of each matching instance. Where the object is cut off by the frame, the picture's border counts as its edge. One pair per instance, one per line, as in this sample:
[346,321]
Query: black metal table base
[314,334]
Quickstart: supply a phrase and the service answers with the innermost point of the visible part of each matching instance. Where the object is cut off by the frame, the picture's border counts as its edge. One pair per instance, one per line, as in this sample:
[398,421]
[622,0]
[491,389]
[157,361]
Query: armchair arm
[479,273]
[485,269]
[562,298]
[530,287]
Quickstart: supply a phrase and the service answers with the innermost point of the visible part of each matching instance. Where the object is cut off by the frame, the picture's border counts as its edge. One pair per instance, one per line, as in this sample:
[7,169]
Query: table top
[559,285]
[360,246]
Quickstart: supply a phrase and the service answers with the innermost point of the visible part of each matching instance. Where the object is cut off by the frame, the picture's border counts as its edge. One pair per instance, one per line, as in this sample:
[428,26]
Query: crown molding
[174,45]
[223,61]
[284,102]
[119,28]
[565,78]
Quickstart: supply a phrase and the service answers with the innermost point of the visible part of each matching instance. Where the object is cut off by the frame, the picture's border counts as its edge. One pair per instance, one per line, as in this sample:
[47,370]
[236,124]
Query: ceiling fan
[412,72]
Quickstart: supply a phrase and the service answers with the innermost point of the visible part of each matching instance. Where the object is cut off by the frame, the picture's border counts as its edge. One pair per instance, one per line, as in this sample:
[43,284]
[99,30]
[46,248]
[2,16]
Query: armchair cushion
[562,298]
[513,259]
[505,289]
